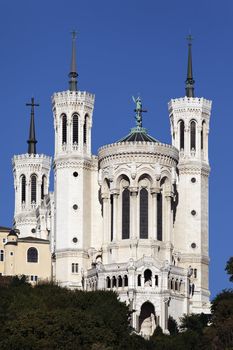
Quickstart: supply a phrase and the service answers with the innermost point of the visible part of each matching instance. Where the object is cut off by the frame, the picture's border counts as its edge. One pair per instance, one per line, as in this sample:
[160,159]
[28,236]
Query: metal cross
[189,39]
[32,104]
[74,34]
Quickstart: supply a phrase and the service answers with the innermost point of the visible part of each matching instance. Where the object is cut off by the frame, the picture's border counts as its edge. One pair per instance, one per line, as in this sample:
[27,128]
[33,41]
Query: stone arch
[120,178]
[147,277]
[147,319]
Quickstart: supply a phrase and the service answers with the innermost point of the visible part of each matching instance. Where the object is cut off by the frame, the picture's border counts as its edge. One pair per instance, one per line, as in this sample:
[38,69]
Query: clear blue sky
[124,47]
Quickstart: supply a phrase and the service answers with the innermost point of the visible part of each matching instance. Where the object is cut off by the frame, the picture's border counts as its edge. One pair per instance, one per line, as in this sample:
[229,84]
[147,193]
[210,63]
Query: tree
[229,268]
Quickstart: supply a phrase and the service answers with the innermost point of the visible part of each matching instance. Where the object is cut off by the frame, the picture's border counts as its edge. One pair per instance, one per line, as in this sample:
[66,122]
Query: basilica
[133,218]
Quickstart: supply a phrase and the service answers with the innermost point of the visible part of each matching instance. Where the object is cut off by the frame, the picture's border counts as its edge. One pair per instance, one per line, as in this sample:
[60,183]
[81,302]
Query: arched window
[108,282]
[192,135]
[125,213]
[33,188]
[143,213]
[32,255]
[85,129]
[202,134]
[147,275]
[75,129]
[125,280]
[120,282]
[1,255]
[23,189]
[64,129]
[159,217]
[43,184]
[181,134]
[114,281]
[139,280]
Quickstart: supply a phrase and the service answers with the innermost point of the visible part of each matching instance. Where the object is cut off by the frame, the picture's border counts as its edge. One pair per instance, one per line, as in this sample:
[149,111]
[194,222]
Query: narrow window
[159,217]
[156,280]
[1,255]
[85,130]
[23,189]
[74,268]
[181,134]
[139,280]
[125,281]
[193,135]
[120,283]
[33,189]
[202,135]
[195,273]
[112,213]
[108,282]
[32,255]
[75,129]
[64,129]
[143,213]
[43,186]
[114,281]
[125,213]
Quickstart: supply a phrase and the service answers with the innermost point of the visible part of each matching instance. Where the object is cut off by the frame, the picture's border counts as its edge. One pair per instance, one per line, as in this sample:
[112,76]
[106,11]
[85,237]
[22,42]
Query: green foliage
[229,268]
[194,322]
[172,326]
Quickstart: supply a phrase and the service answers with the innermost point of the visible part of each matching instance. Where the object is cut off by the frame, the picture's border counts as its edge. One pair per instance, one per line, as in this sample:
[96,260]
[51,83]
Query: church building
[133,218]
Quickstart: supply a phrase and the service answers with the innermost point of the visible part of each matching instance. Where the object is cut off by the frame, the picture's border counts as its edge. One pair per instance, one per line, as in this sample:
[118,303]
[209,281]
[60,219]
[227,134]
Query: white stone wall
[25,212]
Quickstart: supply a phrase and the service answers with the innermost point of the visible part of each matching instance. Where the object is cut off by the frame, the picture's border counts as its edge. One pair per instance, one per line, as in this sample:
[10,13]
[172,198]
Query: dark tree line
[50,317]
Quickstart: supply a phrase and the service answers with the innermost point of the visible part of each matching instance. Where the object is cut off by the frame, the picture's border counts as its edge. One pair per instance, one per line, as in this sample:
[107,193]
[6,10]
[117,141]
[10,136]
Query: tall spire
[32,134]
[73,70]
[189,88]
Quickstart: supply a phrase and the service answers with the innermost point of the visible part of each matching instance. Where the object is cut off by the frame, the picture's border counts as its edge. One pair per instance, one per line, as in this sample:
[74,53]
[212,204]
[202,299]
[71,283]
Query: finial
[32,134]
[189,88]
[138,111]
[73,71]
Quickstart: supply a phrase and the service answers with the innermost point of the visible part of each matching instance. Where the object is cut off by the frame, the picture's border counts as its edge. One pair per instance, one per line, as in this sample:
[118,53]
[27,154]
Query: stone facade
[133,219]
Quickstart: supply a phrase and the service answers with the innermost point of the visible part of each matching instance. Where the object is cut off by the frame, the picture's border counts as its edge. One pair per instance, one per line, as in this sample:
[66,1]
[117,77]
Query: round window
[193,212]
[193,245]
[75,207]
[193,180]
[75,240]
[75,174]
[33,230]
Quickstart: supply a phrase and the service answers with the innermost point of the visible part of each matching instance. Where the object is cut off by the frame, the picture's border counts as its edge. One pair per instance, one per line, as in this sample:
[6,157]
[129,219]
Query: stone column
[186,141]
[198,141]
[164,316]
[133,213]
[28,193]
[153,213]
[168,216]
[106,221]
[116,231]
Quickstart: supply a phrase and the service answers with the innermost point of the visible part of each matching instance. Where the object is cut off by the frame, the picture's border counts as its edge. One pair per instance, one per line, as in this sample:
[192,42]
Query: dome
[138,134]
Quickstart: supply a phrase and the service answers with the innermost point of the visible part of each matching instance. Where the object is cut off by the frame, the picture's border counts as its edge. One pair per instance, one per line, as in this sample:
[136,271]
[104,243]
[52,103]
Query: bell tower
[73,171]
[31,182]
[189,118]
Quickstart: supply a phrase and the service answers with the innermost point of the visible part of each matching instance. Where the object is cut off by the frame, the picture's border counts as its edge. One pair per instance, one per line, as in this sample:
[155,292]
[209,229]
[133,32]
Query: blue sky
[124,47]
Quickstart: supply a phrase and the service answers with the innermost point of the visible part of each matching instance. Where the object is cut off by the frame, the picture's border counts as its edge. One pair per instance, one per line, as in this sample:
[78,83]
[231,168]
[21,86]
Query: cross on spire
[32,134]
[73,70]
[189,88]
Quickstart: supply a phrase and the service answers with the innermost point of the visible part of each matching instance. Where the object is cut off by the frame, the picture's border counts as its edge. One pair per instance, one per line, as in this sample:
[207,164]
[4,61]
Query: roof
[33,239]
[3,228]
[138,134]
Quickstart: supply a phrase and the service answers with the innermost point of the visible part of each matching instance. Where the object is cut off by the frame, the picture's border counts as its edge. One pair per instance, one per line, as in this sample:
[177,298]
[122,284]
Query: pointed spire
[32,133]
[189,88]
[73,70]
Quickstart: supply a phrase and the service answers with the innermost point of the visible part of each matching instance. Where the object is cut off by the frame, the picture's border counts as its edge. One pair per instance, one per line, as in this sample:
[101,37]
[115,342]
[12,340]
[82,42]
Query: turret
[31,182]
